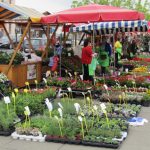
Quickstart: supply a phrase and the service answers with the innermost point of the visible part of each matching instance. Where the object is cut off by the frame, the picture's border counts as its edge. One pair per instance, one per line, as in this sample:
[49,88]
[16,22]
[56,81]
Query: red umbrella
[93,13]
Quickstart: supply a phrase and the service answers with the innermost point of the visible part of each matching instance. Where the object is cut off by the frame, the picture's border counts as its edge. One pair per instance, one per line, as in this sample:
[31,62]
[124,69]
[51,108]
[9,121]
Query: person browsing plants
[86,57]
[118,52]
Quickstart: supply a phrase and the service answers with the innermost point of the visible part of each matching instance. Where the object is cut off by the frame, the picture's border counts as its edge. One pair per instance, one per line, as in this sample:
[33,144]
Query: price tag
[103,106]
[69,89]
[69,54]
[7,100]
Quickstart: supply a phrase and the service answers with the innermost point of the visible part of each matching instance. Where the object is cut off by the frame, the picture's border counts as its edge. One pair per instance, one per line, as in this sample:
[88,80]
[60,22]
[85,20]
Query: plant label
[7,100]
[69,54]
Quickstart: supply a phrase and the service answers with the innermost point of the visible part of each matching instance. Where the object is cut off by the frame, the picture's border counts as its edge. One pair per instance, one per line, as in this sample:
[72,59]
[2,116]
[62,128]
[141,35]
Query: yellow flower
[16,90]
[88,99]
[13,95]
[36,82]
[120,97]
[25,90]
[27,83]
[26,113]
[75,73]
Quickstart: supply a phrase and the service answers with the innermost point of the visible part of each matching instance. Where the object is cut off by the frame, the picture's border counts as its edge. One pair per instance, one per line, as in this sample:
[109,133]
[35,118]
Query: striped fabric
[113,27]
[9,11]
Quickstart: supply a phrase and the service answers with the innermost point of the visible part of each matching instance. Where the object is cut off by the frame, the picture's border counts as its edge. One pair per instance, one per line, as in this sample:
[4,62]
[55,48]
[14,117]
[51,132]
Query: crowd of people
[107,53]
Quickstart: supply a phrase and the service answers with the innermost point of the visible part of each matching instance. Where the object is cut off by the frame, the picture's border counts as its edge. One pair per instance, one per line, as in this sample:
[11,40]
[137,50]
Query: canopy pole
[93,38]
[81,39]
[49,41]
[114,52]
[18,47]
[66,36]
[10,40]
[30,44]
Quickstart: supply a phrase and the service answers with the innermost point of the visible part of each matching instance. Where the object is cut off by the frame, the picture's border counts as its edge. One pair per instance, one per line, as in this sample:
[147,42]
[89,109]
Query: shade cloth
[92,13]
[9,11]
[113,27]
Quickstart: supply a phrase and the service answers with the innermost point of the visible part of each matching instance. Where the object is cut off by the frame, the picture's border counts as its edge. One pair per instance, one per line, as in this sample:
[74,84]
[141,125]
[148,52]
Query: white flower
[80,118]
[105,86]
[56,117]
[7,100]
[49,104]
[69,89]
[27,110]
[45,80]
[103,106]
[60,105]
[77,107]
[60,112]
[95,107]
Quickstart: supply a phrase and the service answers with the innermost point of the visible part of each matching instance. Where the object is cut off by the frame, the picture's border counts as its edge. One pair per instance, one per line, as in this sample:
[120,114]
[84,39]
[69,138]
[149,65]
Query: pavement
[138,139]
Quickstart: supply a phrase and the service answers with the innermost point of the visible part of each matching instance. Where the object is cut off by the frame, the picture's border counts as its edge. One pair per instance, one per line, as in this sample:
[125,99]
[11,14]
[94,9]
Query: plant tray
[39,138]
[98,144]
[49,138]
[5,133]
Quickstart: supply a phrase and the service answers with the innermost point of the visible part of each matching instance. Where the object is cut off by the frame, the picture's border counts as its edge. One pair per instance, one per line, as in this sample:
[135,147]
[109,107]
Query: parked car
[37,43]
[5,43]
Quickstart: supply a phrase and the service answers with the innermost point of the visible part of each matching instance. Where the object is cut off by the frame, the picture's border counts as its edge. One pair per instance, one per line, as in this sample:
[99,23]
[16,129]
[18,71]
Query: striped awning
[9,11]
[113,27]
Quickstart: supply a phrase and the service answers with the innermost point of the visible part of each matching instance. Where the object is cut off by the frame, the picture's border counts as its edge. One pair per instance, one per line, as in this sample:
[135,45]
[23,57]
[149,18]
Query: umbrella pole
[93,49]
[114,52]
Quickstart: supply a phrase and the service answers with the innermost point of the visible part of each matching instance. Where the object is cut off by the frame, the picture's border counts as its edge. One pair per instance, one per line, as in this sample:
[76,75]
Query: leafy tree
[139,5]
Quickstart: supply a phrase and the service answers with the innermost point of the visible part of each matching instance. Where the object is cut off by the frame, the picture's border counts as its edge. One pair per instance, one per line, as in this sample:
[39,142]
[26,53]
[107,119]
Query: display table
[19,74]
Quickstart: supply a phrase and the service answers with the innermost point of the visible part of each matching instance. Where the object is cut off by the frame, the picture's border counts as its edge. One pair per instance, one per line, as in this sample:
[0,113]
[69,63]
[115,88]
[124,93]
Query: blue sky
[46,5]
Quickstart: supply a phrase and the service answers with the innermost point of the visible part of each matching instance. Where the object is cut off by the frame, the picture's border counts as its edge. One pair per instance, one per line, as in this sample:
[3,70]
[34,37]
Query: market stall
[24,71]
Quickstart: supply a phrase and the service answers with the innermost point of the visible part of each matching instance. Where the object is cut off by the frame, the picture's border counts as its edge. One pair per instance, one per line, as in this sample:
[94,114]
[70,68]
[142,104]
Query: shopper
[86,59]
[104,55]
[118,52]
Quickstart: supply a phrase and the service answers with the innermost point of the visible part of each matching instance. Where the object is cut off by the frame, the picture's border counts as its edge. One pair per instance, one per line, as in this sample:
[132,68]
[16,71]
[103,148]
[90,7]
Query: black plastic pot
[146,103]
[7,133]
[100,144]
